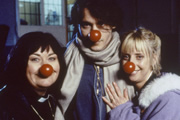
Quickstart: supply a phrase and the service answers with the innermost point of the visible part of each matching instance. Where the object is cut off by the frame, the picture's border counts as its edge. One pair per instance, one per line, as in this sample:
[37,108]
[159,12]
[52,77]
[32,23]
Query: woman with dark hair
[32,78]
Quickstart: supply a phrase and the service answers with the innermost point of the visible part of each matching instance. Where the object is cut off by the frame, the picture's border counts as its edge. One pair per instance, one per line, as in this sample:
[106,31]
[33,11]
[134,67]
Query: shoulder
[71,48]
[14,103]
[159,86]
[6,92]
[166,107]
[172,96]
[8,102]
[168,100]
[10,97]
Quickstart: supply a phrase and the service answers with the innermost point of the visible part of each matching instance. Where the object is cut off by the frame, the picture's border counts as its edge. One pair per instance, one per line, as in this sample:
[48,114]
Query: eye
[34,59]
[85,25]
[125,57]
[102,25]
[52,58]
[140,57]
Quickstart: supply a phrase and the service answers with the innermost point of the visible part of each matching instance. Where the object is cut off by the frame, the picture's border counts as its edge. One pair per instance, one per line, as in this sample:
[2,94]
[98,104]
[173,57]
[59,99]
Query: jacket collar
[157,87]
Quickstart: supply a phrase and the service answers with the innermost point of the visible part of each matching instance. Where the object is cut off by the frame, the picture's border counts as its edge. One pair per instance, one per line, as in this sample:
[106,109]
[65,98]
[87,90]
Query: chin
[46,84]
[132,79]
[96,48]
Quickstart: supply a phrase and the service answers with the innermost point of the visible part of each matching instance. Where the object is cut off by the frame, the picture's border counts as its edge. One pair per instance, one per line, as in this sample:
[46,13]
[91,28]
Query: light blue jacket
[159,100]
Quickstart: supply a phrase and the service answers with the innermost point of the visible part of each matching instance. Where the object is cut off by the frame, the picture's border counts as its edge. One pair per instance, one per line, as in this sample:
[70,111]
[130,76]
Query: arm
[122,108]
[124,112]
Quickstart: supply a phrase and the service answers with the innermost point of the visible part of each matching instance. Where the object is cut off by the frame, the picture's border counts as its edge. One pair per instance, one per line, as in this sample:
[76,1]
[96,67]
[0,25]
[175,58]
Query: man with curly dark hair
[91,64]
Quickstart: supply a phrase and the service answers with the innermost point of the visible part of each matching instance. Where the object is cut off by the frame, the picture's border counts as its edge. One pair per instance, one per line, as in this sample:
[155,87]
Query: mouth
[98,41]
[135,72]
[44,77]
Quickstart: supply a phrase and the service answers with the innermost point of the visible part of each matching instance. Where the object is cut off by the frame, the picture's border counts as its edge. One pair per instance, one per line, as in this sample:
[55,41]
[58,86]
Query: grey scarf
[108,58]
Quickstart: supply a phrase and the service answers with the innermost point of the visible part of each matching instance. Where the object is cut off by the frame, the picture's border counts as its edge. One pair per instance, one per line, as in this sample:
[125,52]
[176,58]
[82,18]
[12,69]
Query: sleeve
[165,107]
[123,112]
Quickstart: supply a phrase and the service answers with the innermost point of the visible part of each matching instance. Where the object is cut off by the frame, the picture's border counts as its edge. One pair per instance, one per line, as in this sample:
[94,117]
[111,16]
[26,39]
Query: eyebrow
[51,54]
[36,54]
[85,22]
[139,53]
[40,55]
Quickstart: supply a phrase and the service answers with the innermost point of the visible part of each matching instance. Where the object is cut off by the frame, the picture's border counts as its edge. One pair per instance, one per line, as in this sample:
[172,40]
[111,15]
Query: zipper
[99,87]
[99,83]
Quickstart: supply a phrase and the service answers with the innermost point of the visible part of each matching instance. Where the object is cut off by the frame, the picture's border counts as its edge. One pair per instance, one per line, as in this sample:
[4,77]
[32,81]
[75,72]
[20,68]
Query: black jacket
[16,105]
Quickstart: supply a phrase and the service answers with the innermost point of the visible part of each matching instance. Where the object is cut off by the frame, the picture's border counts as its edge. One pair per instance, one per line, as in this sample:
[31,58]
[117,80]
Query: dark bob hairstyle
[15,69]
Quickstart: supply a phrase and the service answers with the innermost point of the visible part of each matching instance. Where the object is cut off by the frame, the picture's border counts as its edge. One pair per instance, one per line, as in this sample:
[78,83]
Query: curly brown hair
[106,11]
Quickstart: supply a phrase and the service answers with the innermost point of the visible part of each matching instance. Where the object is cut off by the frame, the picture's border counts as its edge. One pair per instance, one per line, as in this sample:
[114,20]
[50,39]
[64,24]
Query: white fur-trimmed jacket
[160,99]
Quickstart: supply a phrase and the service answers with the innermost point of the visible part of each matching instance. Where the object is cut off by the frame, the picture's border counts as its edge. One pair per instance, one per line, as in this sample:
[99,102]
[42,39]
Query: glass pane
[27,19]
[27,7]
[33,8]
[53,12]
[34,20]
[21,7]
[29,12]
[29,0]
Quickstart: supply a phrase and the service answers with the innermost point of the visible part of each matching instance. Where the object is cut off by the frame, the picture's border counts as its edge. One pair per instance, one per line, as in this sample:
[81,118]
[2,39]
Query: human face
[143,67]
[90,23]
[35,61]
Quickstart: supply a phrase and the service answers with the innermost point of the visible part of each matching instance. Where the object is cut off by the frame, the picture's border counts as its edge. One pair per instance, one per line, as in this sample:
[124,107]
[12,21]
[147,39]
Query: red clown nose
[46,70]
[129,67]
[95,35]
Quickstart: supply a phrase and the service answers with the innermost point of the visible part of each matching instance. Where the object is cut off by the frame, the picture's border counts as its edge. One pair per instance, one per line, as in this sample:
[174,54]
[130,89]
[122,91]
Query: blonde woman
[157,94]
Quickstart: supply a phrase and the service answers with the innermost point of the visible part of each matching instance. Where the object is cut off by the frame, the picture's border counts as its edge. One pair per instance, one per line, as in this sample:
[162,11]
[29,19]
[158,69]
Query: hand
[115,96]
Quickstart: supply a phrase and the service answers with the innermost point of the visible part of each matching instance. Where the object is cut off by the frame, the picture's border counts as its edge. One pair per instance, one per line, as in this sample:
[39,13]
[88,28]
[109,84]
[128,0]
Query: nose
[95,35]
[94,27]
[132,59]
[46,70]
[129,67]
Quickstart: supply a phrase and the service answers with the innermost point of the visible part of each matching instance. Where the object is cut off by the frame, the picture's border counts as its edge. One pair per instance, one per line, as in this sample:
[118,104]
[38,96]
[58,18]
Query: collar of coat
[157,87]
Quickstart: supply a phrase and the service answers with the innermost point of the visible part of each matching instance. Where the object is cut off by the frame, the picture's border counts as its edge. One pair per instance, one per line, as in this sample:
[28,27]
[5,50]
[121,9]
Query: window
[29,12]
[40,12]
[53,13]
[70,4]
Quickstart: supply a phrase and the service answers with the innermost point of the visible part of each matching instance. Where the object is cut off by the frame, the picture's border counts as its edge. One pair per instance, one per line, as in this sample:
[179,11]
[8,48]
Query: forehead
[138,45]
[87,17]
[48,49]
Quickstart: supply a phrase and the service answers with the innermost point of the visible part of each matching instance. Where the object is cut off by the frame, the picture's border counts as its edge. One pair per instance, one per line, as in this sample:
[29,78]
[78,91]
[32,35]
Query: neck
[139,85]
[41,92]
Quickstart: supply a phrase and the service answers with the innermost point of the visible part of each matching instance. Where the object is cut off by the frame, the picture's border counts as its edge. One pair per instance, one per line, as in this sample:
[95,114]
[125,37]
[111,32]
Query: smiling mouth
[43,77]
[98,41]
[134,72]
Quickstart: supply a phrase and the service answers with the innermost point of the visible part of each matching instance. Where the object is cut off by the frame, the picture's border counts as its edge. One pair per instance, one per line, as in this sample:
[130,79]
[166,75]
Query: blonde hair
[145,41]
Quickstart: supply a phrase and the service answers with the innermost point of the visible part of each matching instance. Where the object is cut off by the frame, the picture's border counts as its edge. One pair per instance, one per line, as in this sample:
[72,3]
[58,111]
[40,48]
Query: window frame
[42,15]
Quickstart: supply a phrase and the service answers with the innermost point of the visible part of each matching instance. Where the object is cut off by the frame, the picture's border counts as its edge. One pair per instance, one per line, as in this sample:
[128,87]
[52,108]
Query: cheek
[106,34]
[144,64]
[32,69]
[85,32]
[123,62]
[56,67]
